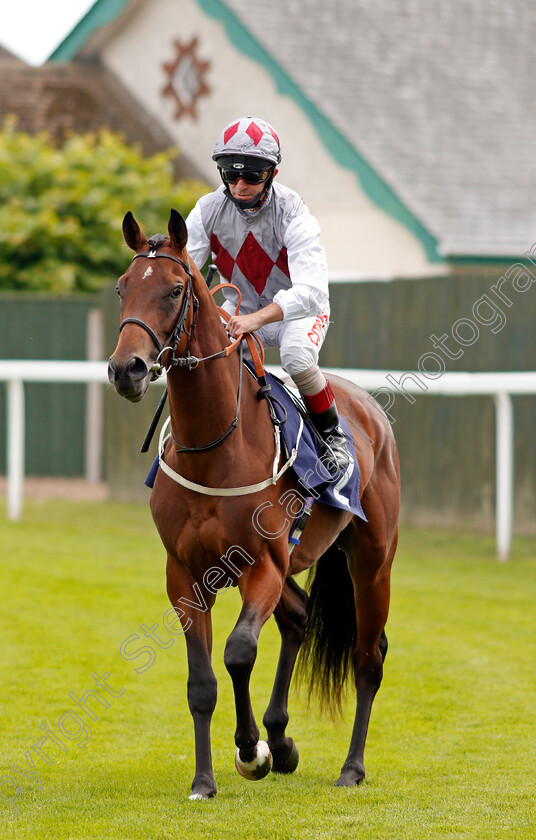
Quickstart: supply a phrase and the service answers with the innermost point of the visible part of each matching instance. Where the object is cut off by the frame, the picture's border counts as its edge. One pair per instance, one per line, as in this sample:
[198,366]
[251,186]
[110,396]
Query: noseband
[176,334]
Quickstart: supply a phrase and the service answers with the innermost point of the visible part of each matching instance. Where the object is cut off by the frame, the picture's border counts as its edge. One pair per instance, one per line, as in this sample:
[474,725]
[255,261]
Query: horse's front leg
[260,594]
[202,685]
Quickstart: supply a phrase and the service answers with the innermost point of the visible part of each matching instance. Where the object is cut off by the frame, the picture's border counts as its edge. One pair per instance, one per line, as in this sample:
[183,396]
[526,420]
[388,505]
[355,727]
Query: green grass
[451,748]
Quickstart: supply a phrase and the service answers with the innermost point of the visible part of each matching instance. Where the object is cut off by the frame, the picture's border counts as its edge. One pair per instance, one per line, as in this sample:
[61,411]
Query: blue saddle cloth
[340,491]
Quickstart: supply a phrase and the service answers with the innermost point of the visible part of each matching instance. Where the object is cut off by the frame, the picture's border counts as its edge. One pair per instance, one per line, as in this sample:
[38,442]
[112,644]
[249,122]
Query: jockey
[265,241]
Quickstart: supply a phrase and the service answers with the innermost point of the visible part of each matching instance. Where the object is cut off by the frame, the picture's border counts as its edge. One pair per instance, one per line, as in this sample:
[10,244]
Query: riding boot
[325,418]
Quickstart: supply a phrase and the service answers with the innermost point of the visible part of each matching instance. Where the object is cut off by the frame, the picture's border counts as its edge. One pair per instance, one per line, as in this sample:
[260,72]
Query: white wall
[359,237]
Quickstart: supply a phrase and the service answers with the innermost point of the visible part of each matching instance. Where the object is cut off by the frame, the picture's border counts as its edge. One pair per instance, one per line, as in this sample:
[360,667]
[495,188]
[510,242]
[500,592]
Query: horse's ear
[178,233]
[132,233]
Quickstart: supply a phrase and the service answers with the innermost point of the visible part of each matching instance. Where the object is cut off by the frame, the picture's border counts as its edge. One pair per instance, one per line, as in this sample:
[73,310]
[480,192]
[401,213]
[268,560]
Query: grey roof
[436,96]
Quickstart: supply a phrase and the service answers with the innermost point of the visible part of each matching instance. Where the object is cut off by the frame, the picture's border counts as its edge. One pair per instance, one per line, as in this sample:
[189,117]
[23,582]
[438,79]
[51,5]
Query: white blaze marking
[148,272]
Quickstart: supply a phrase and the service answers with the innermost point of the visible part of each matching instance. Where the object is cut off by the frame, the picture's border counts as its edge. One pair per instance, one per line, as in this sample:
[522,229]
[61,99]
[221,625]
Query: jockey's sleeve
[198,245]
[308,295]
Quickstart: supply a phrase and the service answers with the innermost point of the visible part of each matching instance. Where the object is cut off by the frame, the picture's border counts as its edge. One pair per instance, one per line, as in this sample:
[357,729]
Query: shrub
[61,208]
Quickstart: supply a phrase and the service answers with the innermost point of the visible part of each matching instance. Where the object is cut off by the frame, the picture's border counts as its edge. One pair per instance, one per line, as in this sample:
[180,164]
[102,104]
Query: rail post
[15,448]
[504,473]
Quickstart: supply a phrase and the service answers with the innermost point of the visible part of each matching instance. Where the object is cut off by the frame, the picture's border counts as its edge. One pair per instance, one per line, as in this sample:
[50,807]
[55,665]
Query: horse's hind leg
[370,567]
[291,617]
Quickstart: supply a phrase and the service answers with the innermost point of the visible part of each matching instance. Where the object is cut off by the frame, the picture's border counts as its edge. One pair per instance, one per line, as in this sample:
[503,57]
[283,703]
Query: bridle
[189,361]
[180,325]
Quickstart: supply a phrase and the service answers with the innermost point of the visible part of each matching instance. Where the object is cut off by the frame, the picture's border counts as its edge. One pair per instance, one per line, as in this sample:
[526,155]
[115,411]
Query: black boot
[328,426]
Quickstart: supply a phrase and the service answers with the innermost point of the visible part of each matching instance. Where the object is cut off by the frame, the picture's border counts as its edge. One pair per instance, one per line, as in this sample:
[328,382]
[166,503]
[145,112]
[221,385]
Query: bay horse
[223,508]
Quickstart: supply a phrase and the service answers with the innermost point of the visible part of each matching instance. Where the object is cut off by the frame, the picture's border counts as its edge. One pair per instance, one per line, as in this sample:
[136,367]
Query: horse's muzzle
[130,379]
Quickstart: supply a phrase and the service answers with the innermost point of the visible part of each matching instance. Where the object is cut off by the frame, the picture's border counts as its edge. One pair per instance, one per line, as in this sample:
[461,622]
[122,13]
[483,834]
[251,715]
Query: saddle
[288,412]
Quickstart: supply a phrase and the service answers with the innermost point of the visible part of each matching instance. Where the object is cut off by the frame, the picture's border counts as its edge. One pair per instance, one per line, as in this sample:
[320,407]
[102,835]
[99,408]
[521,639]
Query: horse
[223,505]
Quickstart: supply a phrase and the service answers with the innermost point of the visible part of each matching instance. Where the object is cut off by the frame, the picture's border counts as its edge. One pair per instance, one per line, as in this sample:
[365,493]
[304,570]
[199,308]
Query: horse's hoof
[203,789]
[260,765]
[288,763]
[350,777]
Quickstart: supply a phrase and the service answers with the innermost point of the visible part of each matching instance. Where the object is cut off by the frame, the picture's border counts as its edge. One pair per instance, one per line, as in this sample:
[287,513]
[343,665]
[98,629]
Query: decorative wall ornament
[186,78]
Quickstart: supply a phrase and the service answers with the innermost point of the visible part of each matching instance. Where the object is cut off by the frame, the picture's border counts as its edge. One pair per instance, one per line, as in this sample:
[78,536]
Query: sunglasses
[251,176]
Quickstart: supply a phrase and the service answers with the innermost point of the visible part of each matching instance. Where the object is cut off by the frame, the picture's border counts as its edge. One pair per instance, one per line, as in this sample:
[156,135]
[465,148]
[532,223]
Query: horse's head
[154,298]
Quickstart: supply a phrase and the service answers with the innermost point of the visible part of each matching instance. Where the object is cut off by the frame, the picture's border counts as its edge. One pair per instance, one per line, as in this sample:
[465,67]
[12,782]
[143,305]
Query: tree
[61,208]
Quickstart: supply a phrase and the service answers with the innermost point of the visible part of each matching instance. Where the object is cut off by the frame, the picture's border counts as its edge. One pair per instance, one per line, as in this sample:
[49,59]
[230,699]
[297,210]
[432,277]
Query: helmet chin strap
[253,202]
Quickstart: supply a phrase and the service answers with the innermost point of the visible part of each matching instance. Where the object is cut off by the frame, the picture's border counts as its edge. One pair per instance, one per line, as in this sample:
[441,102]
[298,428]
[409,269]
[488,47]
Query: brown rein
[257,356]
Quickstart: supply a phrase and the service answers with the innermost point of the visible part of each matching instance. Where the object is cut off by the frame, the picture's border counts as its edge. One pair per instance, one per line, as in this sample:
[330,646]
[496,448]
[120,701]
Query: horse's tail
[331,633]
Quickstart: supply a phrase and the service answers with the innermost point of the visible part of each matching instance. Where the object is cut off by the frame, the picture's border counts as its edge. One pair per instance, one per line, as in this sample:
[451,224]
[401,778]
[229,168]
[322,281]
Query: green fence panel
[44,328]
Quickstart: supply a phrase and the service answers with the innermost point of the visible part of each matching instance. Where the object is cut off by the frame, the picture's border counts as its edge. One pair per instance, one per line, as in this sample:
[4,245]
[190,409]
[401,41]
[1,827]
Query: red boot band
[318,403]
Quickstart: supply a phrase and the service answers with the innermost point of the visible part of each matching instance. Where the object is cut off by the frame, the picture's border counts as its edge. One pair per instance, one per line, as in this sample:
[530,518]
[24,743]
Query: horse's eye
[177,291]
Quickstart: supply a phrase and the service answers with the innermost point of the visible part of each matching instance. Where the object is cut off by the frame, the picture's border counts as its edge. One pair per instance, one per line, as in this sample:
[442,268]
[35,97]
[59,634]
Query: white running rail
[500,386]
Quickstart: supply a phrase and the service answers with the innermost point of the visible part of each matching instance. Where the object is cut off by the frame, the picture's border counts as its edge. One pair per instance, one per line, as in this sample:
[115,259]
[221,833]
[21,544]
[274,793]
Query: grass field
[451,748]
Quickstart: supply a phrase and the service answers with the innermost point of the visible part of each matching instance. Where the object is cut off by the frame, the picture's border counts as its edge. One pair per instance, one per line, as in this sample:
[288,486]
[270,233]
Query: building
[407,127]
[64,98]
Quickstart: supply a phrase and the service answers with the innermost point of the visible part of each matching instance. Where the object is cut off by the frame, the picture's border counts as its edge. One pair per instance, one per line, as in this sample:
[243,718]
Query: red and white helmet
[250,137]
